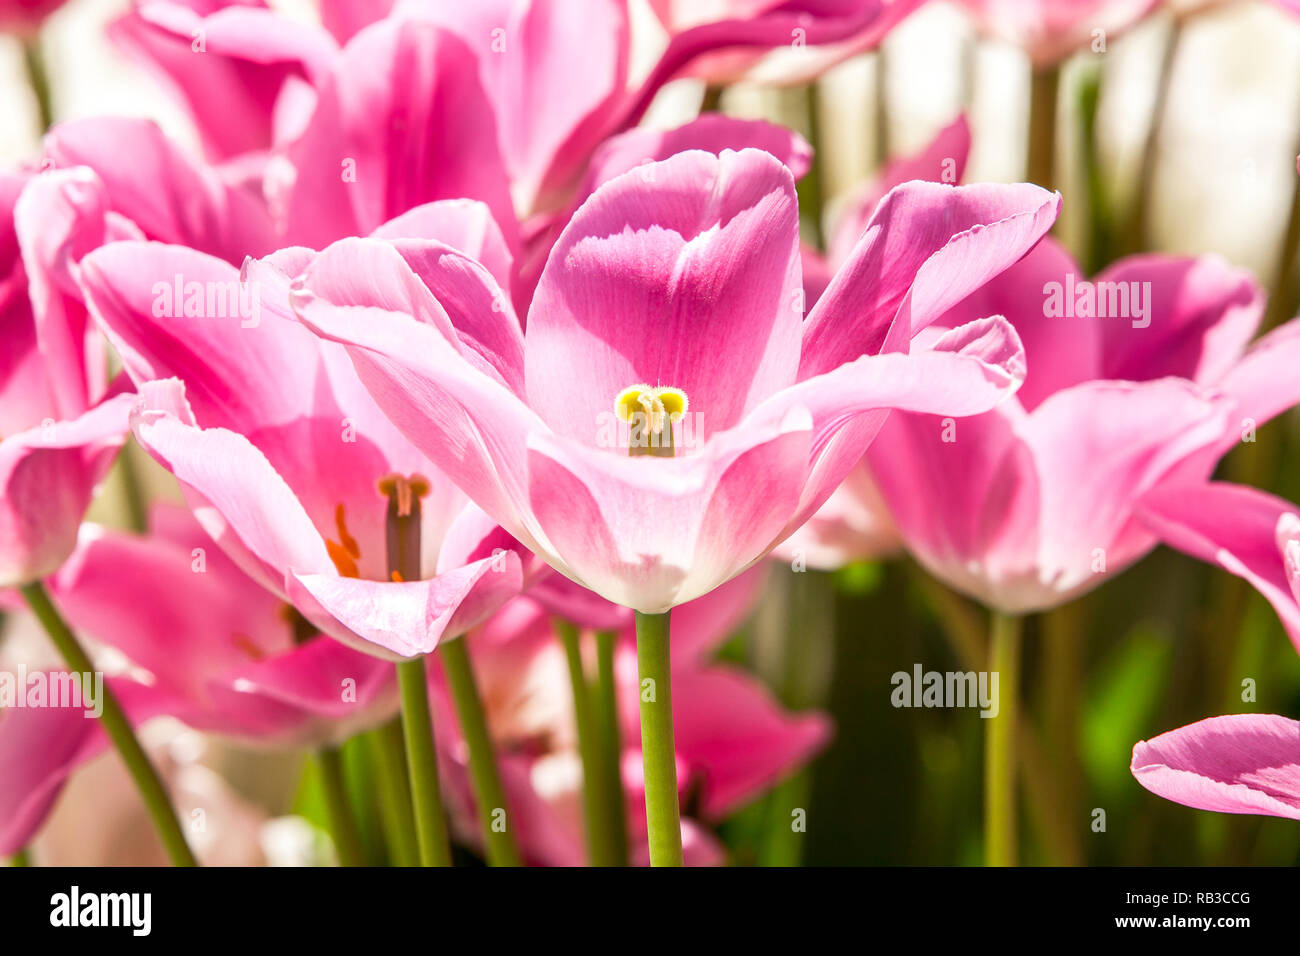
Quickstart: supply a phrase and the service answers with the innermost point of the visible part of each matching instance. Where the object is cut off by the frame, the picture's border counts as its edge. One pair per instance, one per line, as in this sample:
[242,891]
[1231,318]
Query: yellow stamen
[650,410]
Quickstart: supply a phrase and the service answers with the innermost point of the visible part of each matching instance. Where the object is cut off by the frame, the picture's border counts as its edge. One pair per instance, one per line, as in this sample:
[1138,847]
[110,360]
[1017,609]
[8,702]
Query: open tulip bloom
[668,416]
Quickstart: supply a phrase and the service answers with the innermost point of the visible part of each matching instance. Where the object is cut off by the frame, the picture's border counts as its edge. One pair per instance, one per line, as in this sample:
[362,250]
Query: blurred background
[1211,163]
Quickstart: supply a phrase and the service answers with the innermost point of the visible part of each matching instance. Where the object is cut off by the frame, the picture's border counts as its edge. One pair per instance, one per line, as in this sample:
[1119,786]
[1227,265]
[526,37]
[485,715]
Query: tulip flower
[690,446]
[733,740]
[1243,530]
[1241,763]
[1051,30]
[1032,505]
[221,654]
[280,450]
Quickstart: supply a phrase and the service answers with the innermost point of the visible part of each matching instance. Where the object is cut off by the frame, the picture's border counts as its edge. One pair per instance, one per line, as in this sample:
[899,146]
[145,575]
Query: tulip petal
[1241,529]
[693,284]
[1241,763]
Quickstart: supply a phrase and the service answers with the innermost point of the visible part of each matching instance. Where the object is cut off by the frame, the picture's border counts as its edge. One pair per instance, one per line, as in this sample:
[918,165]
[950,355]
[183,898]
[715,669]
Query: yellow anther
[402,488]
[649,411]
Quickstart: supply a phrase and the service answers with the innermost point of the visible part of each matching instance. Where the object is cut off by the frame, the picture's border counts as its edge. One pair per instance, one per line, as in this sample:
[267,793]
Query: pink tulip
[280,450]
[1033,504]
[215,650]
[1242,530]
[733,740]
[779,408]
[1242,763]
[319,104]
[60,426]
[805,39]
[1051,30]
[239,68]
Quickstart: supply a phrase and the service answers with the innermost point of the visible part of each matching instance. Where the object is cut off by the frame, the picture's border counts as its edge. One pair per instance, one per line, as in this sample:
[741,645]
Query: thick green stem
[39,79]
[658,750]
[422,764]
[113,719]
[1000,743]
[1045,85]
[394,793]
[605,713]
[343,825]
[498,839]
[22,858]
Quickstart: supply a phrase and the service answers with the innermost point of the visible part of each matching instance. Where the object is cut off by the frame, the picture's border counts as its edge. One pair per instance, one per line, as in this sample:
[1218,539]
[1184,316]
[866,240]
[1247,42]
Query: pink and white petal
[235,493]
[1264,383]
[736,739]
[964,496]
[942,160]
[1059,351]
[700,626]
[652,533]
[58,218]
[345,18]
[689,278]
[711,132]
[398,620]
[1098,447]
[413,129]
[468,423]
[231,86]
[240,370]
[160,189]
[464,224]
[41,746]
[1201,314]
[1241,763]
[926,247]
[854,524]
[1241,529]
[190,588]
[319,691]
[965,371]
[48,476]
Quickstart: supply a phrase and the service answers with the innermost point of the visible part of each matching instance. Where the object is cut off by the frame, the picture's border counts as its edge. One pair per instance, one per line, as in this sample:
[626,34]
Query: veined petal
[689,278]
[1242,763]
[1241,529]
[926,248]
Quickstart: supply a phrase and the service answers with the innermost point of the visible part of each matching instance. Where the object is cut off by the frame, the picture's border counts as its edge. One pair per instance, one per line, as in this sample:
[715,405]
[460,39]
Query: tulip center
[650,413]
[402,525]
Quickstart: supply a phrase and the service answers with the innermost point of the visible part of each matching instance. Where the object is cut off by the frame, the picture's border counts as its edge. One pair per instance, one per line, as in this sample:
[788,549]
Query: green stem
[596,811]
[1000,744]
[113,719]
[488,791]
[394,793]
[605,711]
[22,858]
[137,507]
[1045,85]
[39,79]
[658,750]
[422,762]
[343,825]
